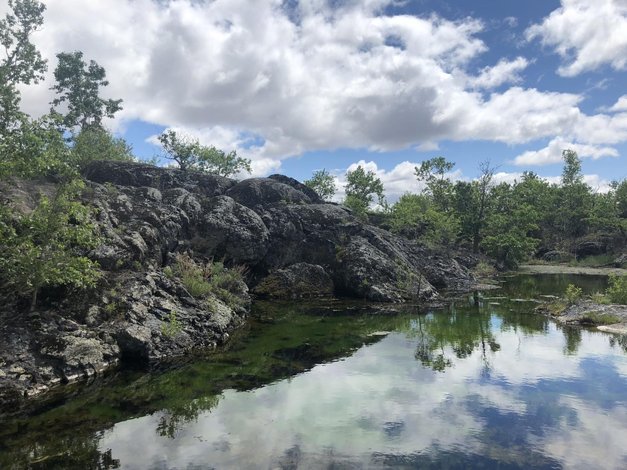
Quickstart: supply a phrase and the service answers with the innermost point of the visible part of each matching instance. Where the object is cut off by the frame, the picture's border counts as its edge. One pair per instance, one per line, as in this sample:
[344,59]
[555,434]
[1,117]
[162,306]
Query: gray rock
[298,281]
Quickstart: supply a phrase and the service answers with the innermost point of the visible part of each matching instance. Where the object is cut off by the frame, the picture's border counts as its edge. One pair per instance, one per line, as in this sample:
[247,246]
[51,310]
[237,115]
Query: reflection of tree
[461,331]
[620,341]
[573,339]
[174,417]
[70,451]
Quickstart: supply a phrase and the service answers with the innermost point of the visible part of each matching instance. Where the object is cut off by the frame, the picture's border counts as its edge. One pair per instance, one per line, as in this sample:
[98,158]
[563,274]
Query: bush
[573,293]
[617,290]
[212,278]
[600,298]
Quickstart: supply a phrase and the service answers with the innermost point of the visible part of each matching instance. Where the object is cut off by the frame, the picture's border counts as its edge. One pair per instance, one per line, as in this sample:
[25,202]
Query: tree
[323,183]
[96,143]
[621,198]
[508,228]
[42,248]
[35,148]
[433,173]
[361,187]
[78,86]
[472,204]
[575,198]
[191,155]
[416,216]
[22,62]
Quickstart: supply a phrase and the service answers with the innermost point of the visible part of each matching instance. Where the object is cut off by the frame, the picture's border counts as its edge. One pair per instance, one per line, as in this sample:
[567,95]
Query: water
[470,386]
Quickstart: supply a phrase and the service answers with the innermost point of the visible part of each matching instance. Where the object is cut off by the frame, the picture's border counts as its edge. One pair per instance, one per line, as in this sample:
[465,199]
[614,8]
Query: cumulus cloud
[587,35]
[620,105]
[312,75]
[552,153]
[506,71]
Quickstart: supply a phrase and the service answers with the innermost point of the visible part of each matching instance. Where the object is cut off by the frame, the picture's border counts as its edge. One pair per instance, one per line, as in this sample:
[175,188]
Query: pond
[483,383]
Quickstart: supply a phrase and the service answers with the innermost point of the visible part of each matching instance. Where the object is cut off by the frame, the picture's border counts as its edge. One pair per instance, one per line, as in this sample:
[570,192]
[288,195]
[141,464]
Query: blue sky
[301,85]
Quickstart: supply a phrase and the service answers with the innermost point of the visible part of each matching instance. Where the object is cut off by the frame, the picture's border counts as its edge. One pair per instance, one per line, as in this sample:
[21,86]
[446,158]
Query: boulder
[590,248]
[298,281]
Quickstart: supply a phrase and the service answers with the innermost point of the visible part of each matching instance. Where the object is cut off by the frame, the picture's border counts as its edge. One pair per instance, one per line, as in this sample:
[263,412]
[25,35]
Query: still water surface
[470,386]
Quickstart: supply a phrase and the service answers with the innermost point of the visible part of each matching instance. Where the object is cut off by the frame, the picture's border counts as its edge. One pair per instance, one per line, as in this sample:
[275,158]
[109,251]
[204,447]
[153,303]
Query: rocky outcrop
[292,244]
[611,318]
[298,281]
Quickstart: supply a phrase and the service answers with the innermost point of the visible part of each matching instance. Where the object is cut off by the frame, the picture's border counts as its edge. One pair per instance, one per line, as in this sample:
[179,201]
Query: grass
[594,261]
[212,278]
[598,318]
[484,269]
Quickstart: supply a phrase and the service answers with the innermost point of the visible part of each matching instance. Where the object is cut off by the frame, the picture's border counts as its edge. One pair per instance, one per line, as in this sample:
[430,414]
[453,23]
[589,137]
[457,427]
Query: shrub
[617,290]
[573,293]
[212,278]
[172,327]
[600,298]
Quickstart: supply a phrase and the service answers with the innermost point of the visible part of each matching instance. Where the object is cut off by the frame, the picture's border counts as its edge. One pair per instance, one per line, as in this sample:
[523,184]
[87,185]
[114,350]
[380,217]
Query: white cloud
[314,77]
[552,153]
[506,71]
[587,35]
[620,105]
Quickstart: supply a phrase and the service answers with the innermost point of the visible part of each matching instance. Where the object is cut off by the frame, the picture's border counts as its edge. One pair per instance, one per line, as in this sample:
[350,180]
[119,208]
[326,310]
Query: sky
[301,85]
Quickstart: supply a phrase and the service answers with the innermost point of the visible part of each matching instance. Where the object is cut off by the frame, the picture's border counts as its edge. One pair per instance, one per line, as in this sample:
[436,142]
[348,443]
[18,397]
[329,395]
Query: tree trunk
[33,300]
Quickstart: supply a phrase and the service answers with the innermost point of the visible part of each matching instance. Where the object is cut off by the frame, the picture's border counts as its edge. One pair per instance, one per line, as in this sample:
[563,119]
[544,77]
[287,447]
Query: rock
[298,281]
[262,191]
[590,248]
[231,230]
[292,244]
[135,342]
[620,261]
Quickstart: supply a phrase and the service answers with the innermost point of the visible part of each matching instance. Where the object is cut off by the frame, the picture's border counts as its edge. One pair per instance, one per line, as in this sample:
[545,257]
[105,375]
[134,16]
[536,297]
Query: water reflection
[484,383]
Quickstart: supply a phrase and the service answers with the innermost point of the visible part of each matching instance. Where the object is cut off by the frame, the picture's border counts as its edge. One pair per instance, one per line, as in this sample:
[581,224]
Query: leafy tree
[621,198]
[574,198]
[571,174]
[78,86]
[416,216]
[361,188]
[42,248]
[438,186]
[96,143]
[191,155]
[472,204]
[509,227]
[35,148]
[323,183]
[22,62]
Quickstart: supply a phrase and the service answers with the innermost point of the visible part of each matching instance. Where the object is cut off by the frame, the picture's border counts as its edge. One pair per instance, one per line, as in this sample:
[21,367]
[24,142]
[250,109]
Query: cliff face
[293,244]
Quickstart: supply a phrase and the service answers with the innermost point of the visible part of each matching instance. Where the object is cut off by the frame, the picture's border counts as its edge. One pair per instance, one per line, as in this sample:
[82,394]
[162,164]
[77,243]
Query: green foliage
[78,86]
[483,269]
[35,148]
[600,298]
[573,294]
[509,228]
[191,155]
[617,290]
[172,327]
[205,279]
[621,198]
[95,143]
[323,183]
[43,247]
[361,188]
[22,62]
[440,188]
